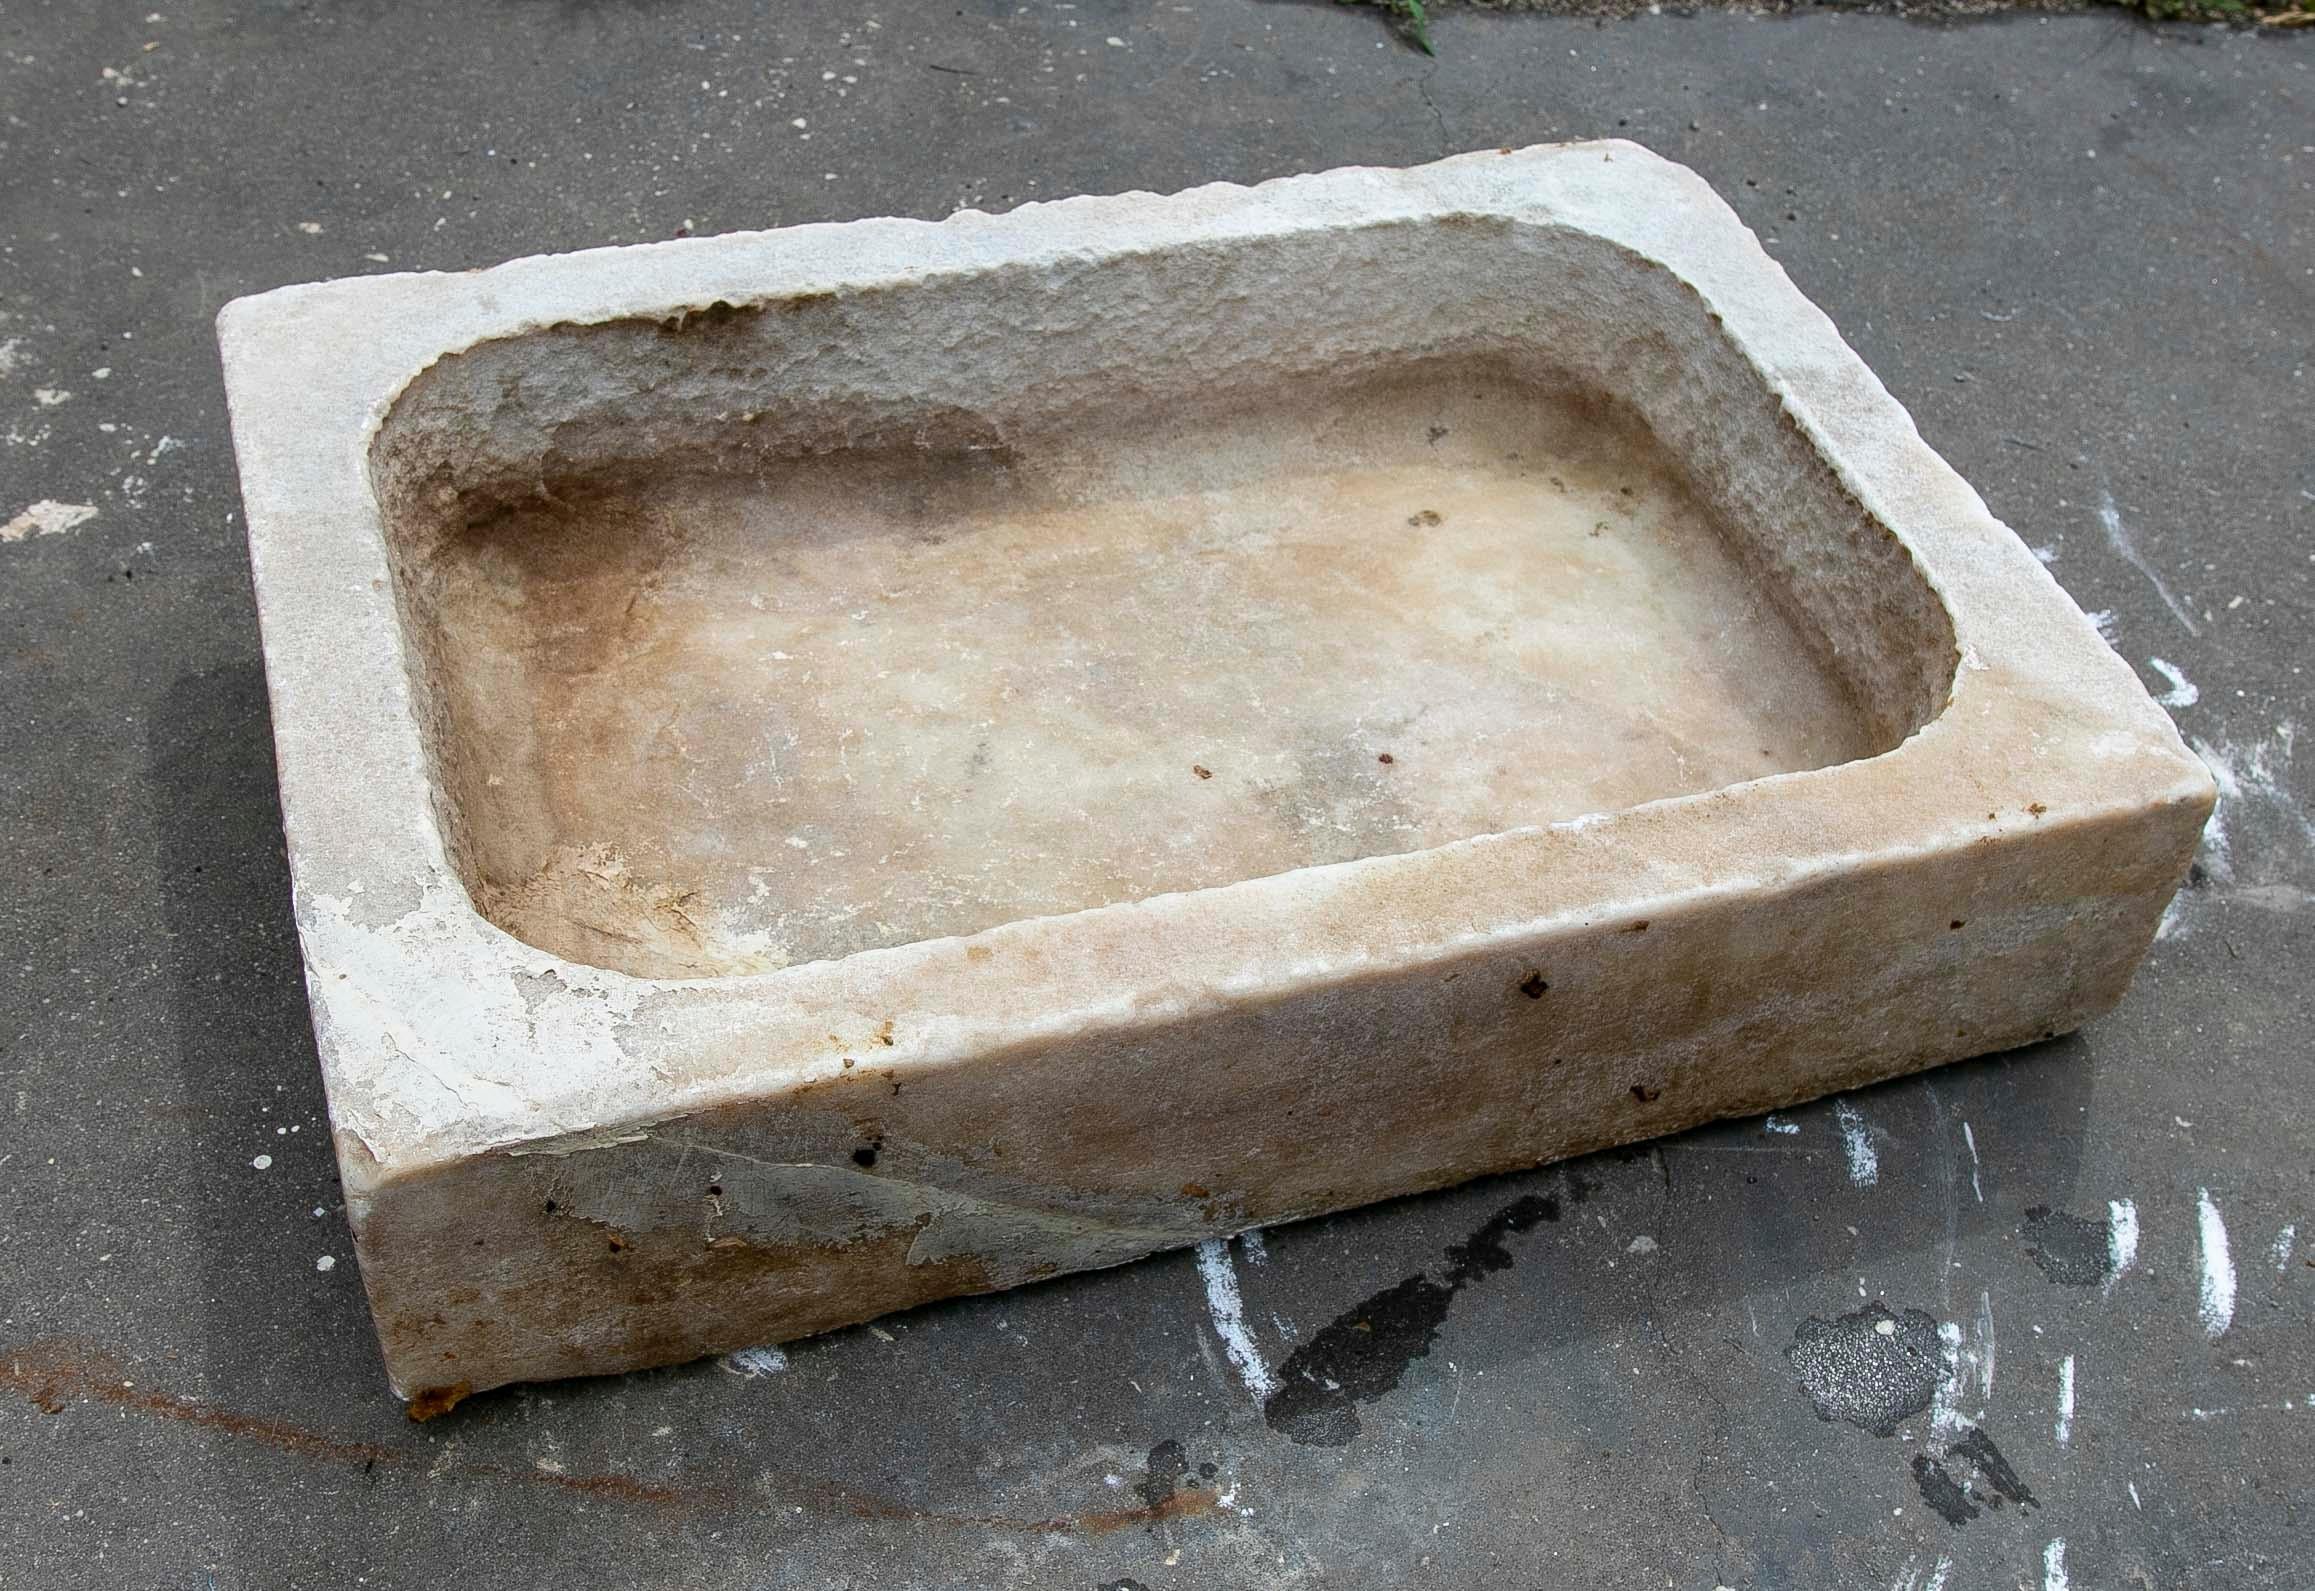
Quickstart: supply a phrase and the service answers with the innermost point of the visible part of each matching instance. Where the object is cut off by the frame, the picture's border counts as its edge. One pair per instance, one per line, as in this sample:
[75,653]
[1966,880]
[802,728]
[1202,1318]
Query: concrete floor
[2083,253]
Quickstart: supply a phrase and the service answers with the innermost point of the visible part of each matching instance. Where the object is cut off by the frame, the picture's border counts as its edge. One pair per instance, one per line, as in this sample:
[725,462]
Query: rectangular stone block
[830,768]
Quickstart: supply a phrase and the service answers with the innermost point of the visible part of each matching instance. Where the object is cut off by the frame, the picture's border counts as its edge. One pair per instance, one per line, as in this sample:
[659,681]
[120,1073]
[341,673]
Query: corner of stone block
[237,319]
[429,1403]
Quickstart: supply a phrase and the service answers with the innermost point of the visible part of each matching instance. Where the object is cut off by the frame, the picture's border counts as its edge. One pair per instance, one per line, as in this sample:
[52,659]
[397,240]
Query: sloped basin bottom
[716,722]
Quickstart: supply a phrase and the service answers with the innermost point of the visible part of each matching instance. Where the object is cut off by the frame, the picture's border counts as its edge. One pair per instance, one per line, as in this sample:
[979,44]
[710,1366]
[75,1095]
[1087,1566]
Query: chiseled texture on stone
[602,1102]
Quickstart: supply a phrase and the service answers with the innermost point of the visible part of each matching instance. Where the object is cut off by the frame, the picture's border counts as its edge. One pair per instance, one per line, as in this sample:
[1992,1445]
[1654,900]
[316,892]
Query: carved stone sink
[830,768]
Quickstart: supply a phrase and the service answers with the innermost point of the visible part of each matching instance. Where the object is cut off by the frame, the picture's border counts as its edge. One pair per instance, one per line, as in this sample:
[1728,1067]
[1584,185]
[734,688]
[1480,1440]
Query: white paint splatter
[2279,1251]
[2132,1487]
[10,357]
[1946,1421]
[2110,521]
[1643,1244]
[47,518]
[50,397]
[1781,1127]
[2259,845]
[1857,1144]
[2054,1566]
[2064,1430]
[2121,1239]
[750,1363]
[1970,1139]
[2182,692]
[1229,1316]
[2228,770]
[1257,1251]
[1985,1344]
[2102,620]
[1936,1580]
[2217,1294]
[262,1163]
[326,1263]
[1967,1359]
[2048,555]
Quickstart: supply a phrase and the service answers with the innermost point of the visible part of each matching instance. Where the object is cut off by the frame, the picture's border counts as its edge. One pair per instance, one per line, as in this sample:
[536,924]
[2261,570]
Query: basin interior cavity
[729,686]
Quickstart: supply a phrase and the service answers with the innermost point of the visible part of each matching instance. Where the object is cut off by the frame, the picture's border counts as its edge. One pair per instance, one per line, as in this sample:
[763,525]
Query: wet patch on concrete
[1941,1491]
[1168,1463]
[2070,1249]
[1974,1477]
[1363,1352]
[1869,1367]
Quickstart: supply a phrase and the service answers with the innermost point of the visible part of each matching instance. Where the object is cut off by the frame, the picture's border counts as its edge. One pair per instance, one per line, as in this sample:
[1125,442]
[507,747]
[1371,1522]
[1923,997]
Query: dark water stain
[1869,1367]
[1941,1491]
[1162,1476]
[1993,1469]
[1363,1352]
[2069,1248]
[1985,1477]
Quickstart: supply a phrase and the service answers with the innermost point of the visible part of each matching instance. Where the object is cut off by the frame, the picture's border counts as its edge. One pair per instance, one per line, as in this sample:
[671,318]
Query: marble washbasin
[831,768]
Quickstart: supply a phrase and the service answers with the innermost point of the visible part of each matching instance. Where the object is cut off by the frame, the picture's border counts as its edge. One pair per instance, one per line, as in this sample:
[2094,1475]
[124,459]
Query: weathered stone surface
[830,768]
